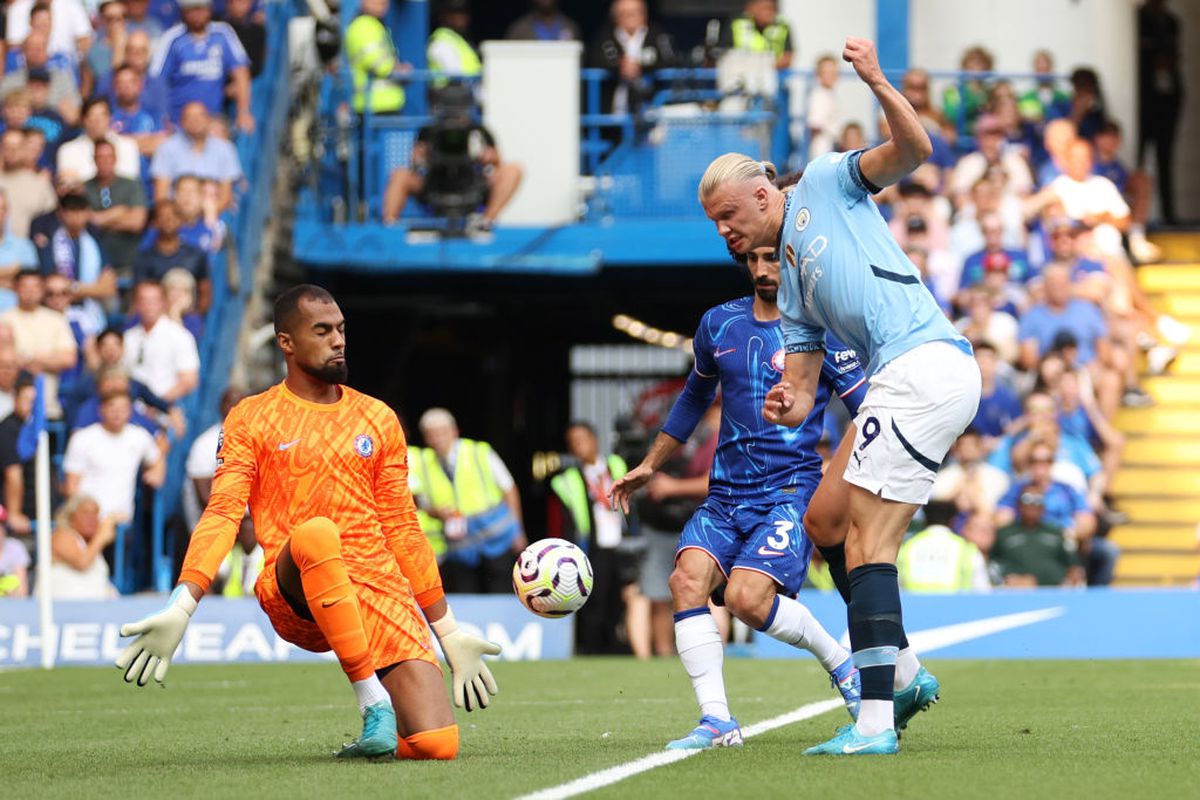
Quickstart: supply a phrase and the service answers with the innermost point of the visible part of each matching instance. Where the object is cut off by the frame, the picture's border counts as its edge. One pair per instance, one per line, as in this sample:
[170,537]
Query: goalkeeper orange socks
[439,743]
[316,549]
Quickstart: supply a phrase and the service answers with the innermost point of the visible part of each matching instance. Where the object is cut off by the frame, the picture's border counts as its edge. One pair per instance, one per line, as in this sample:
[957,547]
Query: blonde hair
[733,168]
[435,418]
[68,509]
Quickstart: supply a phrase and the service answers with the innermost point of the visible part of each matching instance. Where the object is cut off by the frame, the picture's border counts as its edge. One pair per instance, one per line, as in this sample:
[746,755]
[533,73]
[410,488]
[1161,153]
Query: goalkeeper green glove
[473,681]
[158,636]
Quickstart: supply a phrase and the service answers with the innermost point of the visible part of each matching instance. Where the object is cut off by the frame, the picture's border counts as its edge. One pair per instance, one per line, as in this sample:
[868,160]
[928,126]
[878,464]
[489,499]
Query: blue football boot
[711,732]
[378,734]
[849,742]
[917,696]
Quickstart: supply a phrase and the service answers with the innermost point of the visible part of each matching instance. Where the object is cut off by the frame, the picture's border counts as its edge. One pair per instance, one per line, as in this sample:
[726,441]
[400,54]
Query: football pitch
[1003,729]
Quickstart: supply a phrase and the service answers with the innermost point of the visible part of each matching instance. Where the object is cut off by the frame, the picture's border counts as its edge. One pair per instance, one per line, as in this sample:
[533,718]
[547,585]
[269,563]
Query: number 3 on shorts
[779,539]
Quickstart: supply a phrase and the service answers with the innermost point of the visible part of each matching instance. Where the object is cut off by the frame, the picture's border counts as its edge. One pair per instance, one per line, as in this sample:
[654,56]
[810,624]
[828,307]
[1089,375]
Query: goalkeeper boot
[378,735]
[917,696]
[849,742]
[846,680]
[711,732]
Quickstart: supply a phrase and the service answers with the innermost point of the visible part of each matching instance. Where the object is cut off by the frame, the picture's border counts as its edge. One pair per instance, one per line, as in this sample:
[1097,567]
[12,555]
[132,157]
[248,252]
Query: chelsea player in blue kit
[843,273]
[748,532]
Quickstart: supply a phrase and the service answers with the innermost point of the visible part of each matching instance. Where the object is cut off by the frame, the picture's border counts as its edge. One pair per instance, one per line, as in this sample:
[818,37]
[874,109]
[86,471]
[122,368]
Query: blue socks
[876,627]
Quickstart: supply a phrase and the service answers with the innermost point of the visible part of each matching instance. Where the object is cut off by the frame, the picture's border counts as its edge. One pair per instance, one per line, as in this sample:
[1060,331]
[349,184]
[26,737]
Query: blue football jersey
[842,271]
[745,357]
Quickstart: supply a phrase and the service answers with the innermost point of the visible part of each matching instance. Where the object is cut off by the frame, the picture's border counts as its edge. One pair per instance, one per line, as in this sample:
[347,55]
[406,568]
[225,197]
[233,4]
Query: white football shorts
[916,406]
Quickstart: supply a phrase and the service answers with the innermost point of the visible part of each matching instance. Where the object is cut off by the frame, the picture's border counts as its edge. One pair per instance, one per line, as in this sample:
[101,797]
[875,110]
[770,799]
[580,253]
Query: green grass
[1003,729]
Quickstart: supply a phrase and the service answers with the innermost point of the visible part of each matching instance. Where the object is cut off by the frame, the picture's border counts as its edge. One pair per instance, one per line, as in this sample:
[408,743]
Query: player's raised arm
[473,681]
[909,144]
[159,634]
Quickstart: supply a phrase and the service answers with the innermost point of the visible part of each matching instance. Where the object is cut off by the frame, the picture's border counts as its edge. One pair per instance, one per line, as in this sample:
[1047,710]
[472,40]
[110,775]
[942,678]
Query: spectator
[983,322]
[1059,311]
[1134,187]
[250,32]
[180,288]
[631,47]
[169,252]
[1056,138]
[140,21]
[1064,507]
[1017,265]
[118,207]
[197,59]
[77,158]
[197,202]
[81,533]
[103,459]
[999,405]
[479,507]
[1075,462]
[1089,279]
[915,87]
[1031,552]
[992,154]
[761,30]
[9,374]
[1045,101]
[70,31]
[852,138]
[824,117]
[16,254]
[431,173]
[83,328]
[152,94]
[43,338]
[54,119]
[448,52]
[590,522]
[968,481]
[131,117]
[193,151]
[109,50]
[113,380]
[1160,95]
[63,95]
[939,560]
[110,353]
[1091,200]
[987,197]
[544,23]
[1087,103]
[371,55]
[963,103]
[14,564]
[159,351]
[16,474]
[71,251]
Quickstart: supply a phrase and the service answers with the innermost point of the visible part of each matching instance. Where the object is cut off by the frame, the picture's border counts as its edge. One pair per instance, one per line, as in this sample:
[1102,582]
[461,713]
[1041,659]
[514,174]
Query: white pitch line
[607,777]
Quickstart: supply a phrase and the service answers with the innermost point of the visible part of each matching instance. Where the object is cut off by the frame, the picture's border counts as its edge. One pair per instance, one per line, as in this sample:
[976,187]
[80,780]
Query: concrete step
[1179,303]
[1162,450]
[1173,420]
[1153,568]
[1156,482]
[1170,277]
[1165,511]
[1175,538]
[1175,390]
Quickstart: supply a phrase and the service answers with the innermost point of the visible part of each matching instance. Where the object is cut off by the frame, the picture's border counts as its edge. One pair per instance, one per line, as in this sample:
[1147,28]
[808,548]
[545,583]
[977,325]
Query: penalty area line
[607,777]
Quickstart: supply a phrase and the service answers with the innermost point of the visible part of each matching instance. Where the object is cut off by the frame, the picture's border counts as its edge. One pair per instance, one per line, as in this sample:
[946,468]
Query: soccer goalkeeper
[347,568]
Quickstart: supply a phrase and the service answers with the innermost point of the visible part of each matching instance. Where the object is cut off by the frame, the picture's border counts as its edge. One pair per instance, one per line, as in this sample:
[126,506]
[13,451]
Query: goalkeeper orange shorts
[395,627]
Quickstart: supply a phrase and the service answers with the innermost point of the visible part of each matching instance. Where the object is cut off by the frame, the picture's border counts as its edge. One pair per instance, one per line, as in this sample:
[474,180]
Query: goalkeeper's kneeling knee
[439,743]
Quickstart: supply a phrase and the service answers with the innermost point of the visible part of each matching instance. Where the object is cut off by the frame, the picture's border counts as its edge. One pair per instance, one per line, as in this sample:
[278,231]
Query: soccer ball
[552,578]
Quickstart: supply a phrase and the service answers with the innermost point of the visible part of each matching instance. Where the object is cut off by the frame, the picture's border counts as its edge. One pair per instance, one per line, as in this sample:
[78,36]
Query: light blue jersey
[843,272]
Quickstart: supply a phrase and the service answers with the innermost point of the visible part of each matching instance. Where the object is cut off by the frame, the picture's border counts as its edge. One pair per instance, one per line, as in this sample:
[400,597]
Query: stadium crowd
[116,167]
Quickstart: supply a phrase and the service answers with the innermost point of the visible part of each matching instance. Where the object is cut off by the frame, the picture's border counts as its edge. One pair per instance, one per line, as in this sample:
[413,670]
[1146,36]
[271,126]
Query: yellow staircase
[1158,484]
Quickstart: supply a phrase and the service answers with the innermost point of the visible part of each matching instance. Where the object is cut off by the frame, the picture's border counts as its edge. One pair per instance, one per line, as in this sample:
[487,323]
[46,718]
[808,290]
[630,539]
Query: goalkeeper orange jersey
[292,460]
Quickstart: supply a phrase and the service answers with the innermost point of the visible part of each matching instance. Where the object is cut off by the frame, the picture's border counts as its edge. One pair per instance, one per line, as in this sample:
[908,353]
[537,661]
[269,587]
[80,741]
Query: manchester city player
[844,274]
[748,532]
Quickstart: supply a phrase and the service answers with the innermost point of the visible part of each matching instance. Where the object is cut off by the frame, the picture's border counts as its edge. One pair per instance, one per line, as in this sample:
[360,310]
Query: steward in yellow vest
[760,30]
[448,52]
[371,56]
